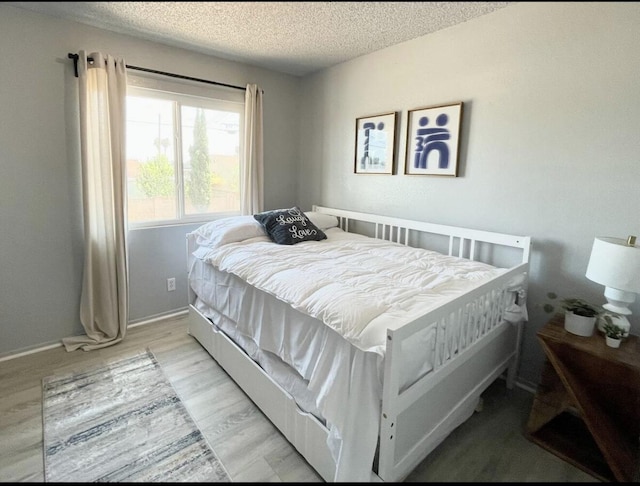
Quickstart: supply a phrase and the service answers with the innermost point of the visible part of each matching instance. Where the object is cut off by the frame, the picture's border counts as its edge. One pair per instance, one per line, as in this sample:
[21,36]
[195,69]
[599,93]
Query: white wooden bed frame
[415,421]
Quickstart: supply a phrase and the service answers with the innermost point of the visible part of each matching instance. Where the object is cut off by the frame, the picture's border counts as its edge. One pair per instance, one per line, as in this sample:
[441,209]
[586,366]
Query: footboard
[473,346]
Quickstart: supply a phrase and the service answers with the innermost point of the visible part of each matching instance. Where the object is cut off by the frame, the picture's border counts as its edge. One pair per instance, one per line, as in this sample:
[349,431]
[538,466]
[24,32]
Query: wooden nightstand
[587,406]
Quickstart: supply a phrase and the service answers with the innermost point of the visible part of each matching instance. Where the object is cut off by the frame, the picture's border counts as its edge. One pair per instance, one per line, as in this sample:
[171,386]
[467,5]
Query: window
[183,155]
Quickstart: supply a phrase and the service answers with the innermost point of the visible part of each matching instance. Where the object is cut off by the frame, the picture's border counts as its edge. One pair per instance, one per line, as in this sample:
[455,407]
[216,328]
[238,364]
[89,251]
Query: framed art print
[433,140]
[375,144]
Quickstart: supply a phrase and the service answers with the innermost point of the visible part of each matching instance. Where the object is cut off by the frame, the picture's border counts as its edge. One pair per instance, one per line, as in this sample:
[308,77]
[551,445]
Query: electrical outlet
[171,284]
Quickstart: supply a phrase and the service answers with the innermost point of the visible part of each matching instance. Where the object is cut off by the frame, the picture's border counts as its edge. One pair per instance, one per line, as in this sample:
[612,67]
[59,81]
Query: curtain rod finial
[75,62]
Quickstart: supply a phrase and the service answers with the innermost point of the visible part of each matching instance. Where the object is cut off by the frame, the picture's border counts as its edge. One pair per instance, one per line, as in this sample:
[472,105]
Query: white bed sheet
[283,374]
[321,357]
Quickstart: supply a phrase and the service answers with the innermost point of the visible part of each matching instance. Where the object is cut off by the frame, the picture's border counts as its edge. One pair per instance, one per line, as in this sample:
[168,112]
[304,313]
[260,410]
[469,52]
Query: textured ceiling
[291,37]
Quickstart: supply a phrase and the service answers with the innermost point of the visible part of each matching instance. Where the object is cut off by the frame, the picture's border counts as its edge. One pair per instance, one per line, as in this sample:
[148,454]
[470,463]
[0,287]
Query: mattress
[356,285]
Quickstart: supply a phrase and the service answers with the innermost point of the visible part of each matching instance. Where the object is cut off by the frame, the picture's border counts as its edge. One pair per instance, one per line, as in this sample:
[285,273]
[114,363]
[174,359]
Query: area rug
[122,422]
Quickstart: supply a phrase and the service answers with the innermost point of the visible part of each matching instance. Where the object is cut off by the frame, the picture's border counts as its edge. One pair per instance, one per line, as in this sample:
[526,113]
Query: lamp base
[618,309]
[618,301]
[618,320]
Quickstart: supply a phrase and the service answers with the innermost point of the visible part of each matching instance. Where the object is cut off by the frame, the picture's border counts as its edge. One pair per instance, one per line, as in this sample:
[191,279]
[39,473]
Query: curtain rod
[137,68]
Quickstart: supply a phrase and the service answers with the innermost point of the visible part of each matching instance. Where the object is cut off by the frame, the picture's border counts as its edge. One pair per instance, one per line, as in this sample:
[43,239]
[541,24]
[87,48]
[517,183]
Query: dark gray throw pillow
[289,226]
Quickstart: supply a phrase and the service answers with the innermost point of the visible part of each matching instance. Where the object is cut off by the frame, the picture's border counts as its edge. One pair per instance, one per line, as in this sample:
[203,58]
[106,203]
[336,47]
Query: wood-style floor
[489,447]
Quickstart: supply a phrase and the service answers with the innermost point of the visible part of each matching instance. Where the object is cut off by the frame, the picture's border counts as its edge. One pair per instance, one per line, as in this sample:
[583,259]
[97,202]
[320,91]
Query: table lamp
[615,263]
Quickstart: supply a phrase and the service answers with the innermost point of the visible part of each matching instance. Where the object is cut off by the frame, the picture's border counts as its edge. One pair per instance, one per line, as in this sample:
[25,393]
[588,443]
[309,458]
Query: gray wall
[550,138]
[549,149]
[41,249]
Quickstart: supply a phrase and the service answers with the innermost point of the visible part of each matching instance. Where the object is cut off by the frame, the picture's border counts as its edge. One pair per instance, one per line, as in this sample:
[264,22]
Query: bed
[367,341]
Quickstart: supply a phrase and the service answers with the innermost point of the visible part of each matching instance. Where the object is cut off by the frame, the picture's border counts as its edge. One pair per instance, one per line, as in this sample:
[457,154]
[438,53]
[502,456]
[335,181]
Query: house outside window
[183,153]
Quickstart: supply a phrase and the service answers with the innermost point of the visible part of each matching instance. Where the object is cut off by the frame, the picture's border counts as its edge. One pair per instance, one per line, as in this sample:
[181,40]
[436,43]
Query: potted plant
[613,334]
[580,316]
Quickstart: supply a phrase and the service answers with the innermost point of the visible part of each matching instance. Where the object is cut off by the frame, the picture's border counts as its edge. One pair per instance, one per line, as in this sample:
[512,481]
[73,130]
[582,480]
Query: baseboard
[158,317]
[30,350]
[528,386]
[56,344]
[523,384]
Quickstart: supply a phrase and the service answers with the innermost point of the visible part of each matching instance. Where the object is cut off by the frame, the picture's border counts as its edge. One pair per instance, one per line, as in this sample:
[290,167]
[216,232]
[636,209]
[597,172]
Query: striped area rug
[122,422]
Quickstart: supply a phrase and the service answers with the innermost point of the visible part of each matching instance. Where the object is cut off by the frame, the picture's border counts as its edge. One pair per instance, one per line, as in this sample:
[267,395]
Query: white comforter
[356,285]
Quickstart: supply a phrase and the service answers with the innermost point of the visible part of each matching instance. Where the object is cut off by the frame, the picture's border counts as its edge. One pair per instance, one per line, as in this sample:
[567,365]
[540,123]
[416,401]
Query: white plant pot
[611,342]
[579,325]
[618,320]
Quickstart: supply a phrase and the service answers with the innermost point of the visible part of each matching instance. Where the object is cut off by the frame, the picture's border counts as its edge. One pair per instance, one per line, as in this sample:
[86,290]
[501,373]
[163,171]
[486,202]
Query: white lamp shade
[615,264]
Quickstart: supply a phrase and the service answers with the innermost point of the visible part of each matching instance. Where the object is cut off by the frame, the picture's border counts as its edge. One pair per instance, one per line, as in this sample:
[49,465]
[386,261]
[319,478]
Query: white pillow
[322,220]
[228,230]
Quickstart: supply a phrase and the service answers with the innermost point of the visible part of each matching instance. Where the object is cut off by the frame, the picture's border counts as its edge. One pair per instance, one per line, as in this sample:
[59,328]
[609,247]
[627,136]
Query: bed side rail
[462,241]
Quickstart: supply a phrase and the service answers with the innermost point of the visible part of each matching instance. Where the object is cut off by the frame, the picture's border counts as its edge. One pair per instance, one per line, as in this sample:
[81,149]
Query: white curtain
[104,299]
[252,172]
